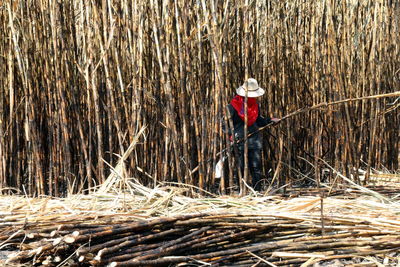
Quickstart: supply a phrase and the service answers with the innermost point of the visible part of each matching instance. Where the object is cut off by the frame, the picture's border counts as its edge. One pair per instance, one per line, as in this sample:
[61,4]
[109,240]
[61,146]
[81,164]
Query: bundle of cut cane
[212,239]
[155,227]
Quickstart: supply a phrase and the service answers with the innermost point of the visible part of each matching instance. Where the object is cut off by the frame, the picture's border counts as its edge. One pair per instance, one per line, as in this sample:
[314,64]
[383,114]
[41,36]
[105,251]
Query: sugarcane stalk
[124,255]
[130,241]
[172,245]
[160,261]
[113,230]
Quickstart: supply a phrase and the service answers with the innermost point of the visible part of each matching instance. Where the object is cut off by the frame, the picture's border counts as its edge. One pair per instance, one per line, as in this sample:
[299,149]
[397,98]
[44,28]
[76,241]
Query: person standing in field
[254,122]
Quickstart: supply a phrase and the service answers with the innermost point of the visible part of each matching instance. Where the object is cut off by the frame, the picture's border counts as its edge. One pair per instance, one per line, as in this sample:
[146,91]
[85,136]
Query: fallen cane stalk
[136,226]
[124,255]
[202,242]
[171,246]
[132,241]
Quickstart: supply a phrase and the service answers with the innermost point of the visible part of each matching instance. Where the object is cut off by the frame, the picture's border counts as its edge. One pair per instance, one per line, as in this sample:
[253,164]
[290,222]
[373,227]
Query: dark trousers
[254,165]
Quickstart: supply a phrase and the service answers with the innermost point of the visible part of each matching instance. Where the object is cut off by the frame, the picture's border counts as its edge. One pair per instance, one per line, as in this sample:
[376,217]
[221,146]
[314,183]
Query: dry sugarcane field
[117,144]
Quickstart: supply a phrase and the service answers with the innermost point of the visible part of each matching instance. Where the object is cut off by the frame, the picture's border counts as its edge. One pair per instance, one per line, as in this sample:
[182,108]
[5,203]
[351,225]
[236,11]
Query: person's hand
[275,120]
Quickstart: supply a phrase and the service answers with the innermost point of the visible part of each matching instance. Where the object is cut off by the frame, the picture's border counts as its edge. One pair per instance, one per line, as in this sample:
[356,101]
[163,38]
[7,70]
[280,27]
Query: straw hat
[253,90]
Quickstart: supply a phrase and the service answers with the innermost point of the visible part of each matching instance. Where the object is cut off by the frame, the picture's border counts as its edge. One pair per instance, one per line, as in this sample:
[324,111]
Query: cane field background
[81,78]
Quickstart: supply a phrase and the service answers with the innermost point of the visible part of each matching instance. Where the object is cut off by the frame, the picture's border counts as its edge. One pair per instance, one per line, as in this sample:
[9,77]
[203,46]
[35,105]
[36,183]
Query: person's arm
[261,121]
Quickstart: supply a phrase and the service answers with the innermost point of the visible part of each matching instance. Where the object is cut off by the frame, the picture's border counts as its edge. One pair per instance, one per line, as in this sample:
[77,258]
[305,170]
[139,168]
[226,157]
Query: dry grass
[143,202]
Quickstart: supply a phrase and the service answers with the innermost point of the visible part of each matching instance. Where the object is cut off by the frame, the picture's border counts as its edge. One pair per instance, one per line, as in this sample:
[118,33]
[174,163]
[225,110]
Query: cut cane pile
[162,227]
